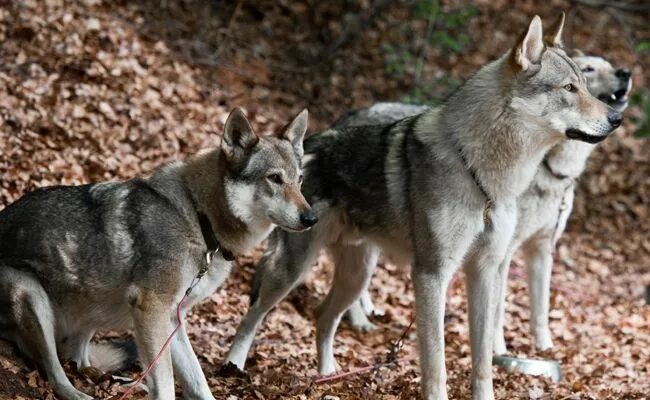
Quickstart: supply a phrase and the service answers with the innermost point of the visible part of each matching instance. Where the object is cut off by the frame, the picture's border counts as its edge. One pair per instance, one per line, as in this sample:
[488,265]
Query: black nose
[308,218]
[614,118]
[623,73]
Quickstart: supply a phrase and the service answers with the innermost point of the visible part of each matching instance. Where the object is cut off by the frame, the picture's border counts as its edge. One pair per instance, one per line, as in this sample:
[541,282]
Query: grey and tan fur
[407,189]
[543,209]
[117,255]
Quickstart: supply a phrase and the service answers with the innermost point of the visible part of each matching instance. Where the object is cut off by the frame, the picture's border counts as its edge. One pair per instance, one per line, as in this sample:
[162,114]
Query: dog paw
[544,342]
[70,393]
[359,320]
[500,347]
[229,369]
[329,367]
[203,396]
[366,326]
[377,312]
[482,389]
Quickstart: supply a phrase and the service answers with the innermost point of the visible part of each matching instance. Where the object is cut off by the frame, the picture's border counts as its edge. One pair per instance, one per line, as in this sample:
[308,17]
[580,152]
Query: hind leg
[538,254]
[289,256]
[33,329]
[358,318]
[359,311]
[500,294]
[367,304]
[77,348]
[354,266]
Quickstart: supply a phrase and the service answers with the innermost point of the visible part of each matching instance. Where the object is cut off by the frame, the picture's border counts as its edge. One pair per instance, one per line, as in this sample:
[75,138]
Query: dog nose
[614,118]
[308,218]
[623,73]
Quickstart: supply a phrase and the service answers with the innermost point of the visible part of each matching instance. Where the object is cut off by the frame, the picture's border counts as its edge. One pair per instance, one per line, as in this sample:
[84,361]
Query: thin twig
[356,25]
[361,370]
[629,36]
[226,35]
[391,359]
[431,22]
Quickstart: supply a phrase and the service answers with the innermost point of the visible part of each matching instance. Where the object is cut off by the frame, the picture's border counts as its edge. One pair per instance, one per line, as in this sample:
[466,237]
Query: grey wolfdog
[114,255]
[436,190]
[543,209]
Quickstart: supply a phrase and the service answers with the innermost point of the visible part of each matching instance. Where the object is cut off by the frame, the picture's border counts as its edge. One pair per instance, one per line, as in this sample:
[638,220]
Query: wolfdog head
[550,91]
[609,85]
[263,173]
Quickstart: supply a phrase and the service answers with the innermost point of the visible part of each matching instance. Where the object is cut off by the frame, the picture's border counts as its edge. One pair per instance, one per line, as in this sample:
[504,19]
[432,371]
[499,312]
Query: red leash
[391,359]
[155,360]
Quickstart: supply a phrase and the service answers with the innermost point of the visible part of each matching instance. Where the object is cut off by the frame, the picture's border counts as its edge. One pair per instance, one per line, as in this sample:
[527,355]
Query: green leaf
[643,46]
[643,131]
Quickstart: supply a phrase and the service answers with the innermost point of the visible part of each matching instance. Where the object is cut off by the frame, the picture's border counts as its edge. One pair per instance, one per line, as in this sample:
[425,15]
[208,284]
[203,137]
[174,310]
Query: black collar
[488,200]
[211,240]
[556,175]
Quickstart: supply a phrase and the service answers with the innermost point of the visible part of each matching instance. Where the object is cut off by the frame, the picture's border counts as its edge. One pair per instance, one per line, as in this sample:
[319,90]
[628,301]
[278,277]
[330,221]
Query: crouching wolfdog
[114,255]
[436,190]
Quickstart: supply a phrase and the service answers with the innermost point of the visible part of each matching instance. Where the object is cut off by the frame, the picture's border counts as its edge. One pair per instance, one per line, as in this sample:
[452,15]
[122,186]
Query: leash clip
[209,255]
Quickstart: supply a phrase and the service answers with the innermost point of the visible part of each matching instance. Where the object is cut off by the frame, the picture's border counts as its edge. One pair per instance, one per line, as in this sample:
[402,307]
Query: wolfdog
[76,259]
[544,207]
[436,190]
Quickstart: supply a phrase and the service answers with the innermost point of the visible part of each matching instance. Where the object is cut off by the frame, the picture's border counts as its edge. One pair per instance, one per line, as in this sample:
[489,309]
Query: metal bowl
[548,368]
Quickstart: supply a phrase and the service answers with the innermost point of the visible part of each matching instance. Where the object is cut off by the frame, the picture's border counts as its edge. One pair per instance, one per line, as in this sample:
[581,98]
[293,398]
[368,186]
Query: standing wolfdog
[543,209]
[434,190]
[118,254]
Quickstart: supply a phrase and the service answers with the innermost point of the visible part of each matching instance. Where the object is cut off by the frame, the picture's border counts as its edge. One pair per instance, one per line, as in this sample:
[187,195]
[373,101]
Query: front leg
[439,246]
[430,288]
[188,369]
[482,277]
[152,326]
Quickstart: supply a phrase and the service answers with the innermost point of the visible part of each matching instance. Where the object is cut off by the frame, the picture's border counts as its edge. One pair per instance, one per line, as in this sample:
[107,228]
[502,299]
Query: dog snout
[614,118]
[308,218]
[623,74]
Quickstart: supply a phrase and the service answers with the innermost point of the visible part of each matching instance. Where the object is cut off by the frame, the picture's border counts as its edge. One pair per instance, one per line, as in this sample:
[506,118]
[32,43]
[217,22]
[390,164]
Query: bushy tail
[113,356]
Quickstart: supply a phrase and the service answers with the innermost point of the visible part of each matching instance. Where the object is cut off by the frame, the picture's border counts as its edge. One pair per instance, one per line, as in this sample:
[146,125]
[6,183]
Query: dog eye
[570,87]
[588,69]
[275,178]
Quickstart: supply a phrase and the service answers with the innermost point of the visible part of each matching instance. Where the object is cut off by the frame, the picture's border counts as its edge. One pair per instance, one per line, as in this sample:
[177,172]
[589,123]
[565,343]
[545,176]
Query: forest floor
[93,90]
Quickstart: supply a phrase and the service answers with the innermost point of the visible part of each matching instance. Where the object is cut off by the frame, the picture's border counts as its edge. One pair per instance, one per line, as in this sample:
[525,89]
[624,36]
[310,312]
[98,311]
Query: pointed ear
[554,37]
[528,50]
[577,53]
[295,132]
[238,136]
